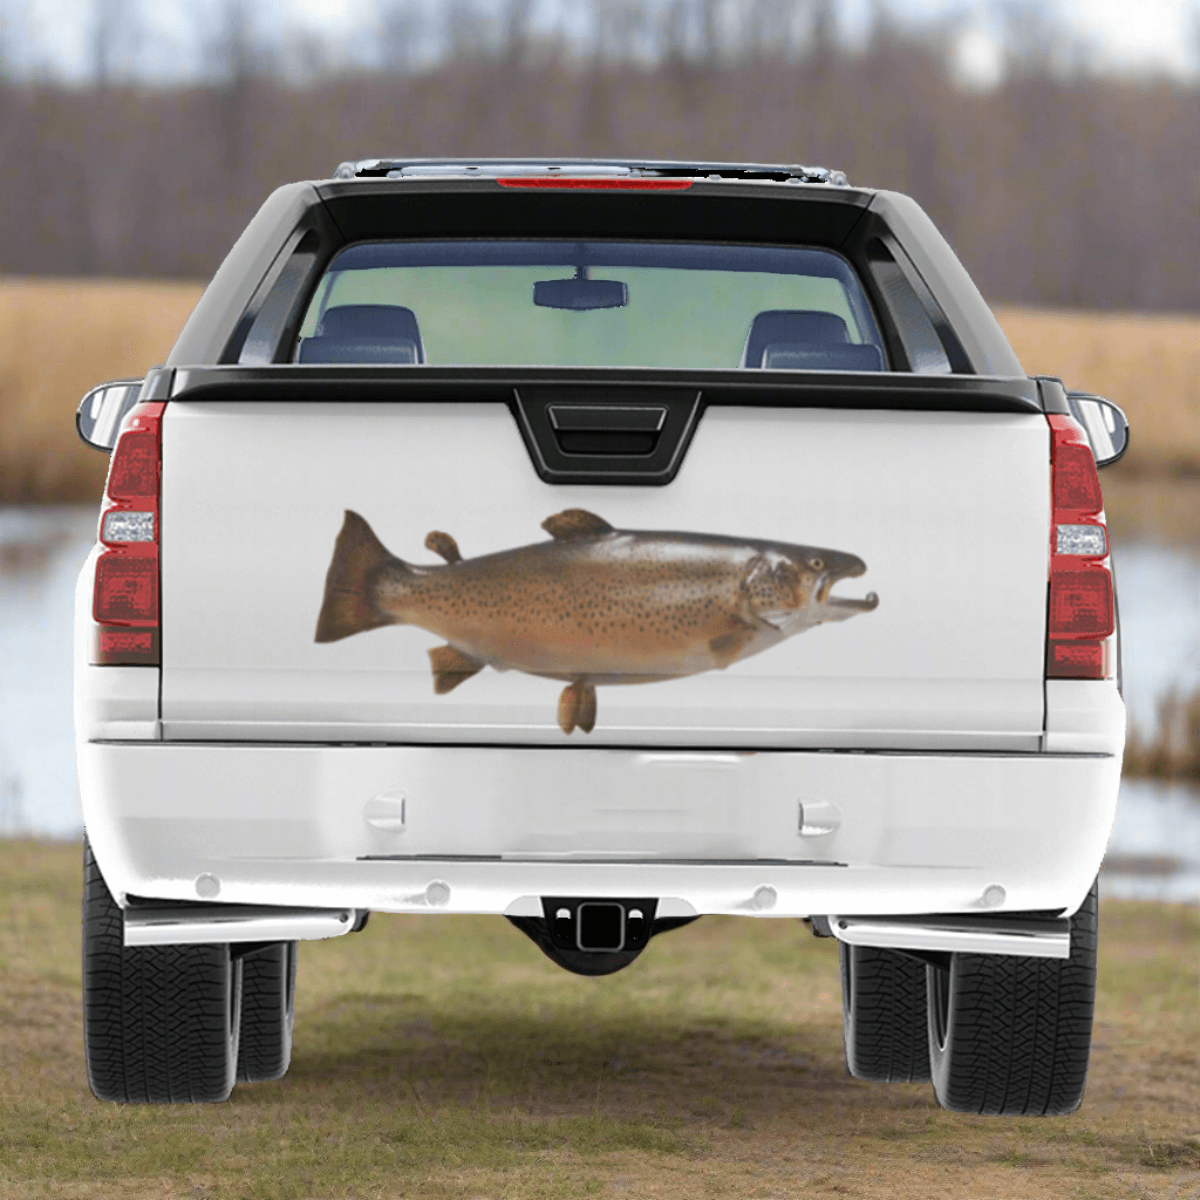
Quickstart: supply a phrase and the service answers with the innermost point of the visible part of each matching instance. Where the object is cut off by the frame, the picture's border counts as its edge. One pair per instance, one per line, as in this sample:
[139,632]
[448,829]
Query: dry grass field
[1171,749]
[60,337]
[445,1057]
[1149,365]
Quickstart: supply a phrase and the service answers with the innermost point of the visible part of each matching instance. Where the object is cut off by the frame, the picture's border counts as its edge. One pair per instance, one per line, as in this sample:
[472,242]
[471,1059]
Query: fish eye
[816,563]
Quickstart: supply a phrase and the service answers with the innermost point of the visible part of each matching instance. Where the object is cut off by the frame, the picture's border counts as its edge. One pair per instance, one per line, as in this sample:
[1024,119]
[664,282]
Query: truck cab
[601,545]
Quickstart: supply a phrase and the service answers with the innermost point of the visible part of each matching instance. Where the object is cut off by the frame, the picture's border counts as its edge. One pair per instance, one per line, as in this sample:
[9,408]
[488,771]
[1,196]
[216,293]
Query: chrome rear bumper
[1032,938]
[177,925]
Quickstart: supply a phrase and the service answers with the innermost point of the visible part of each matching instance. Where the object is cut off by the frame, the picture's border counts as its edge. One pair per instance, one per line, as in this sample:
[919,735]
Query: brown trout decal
[595,605]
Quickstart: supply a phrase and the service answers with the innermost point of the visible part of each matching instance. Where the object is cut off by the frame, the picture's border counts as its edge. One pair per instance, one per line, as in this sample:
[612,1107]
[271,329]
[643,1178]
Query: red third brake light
[125,601]
[1080,617]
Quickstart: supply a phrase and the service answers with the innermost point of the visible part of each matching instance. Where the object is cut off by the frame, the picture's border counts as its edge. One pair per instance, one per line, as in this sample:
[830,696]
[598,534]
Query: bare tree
[618,30]
[403,29]
[1046,184]
[235,59]
[466,35]
[769,29]
[113,34]
[516,32]
[1192,36]
[1035,43]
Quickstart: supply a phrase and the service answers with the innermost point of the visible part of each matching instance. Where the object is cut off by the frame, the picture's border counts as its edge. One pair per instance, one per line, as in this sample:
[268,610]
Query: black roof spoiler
[490,168]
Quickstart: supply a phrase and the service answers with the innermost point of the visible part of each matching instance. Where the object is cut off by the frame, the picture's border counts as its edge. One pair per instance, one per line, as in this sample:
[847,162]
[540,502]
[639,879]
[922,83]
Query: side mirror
[1104,423]
[102,410]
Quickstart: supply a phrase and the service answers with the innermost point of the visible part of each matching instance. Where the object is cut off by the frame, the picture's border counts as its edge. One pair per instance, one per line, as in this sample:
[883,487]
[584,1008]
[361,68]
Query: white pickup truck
[601,545]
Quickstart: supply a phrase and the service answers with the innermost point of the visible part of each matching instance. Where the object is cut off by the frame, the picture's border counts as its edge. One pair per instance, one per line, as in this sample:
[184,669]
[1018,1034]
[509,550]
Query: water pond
[1155,848]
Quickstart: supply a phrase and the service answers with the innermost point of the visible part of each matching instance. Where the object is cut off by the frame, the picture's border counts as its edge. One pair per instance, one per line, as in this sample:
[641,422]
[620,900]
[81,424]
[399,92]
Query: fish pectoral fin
[444,545]
[451,667]
[575,523]
[577,707]
[726,647]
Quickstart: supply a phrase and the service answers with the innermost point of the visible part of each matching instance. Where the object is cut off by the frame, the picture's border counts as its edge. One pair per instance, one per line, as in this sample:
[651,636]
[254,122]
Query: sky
[1127,35]
[51,36]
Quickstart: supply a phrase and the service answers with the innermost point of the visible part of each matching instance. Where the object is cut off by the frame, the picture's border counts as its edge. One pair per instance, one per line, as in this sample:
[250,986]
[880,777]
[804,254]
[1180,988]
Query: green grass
[445,1057]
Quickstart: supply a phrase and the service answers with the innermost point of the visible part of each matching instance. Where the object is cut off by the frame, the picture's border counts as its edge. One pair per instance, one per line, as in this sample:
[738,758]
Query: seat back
[365,333]
[358,350]
[791,325]
[819,356]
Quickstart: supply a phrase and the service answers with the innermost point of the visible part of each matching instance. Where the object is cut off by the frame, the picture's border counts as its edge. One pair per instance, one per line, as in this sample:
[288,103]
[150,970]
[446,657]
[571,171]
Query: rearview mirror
[580,295]
[102,410]
[1104,423]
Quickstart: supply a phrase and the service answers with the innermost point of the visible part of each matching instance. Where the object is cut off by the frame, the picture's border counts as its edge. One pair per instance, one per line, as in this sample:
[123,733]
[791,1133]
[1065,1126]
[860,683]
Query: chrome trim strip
[969,935]
[168,926]
[719,753]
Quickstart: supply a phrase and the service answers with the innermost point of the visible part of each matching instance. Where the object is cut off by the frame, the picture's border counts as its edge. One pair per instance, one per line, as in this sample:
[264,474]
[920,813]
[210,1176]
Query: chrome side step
[167,925]
[1028,936]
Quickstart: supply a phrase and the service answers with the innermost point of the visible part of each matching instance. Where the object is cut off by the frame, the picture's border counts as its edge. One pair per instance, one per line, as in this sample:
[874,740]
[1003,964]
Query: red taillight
[1080,614]
[1077,660]
[1076,485]
[126,587]
[133,472]
[125,598]
[603,182]
[1081,603]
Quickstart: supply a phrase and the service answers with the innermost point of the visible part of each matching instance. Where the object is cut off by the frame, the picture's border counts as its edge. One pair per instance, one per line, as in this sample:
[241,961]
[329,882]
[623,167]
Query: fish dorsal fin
[443,544]
[575,523]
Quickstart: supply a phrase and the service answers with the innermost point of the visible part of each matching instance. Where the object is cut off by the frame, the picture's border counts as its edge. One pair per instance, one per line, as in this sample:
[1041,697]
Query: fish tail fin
[349,606]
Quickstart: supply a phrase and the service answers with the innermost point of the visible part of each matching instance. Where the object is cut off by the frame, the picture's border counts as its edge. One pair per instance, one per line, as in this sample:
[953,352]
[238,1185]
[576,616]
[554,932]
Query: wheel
[884,1015]
[268,1012]
[160,1023]
[1011,1036]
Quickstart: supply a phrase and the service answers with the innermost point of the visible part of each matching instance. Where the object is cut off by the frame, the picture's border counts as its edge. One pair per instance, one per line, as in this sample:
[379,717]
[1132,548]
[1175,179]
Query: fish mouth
[853,571]
[844,604]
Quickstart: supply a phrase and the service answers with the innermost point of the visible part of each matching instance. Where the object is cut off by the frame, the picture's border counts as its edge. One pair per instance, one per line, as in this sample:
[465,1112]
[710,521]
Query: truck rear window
[615,304]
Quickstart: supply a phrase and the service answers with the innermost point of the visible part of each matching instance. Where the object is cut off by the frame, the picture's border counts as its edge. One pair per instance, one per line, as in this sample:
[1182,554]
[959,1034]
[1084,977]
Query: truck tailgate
[948,511]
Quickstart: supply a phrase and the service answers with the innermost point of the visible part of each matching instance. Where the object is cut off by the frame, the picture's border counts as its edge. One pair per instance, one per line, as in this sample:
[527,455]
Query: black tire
[1011,1036]
[268,1013]
[884,1015]
[160,1023]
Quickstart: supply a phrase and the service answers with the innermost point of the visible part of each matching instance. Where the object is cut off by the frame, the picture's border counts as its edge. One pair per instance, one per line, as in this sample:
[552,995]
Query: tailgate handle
[621,432]
[622,429]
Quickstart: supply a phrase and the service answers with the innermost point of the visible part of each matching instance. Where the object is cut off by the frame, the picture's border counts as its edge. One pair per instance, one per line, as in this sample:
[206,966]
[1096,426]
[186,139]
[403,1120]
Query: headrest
[817,356]
[371,323]
[358,350]
[787,325]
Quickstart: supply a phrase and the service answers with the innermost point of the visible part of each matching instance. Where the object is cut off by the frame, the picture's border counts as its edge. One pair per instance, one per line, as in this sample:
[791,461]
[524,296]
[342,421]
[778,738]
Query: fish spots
[571,601]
